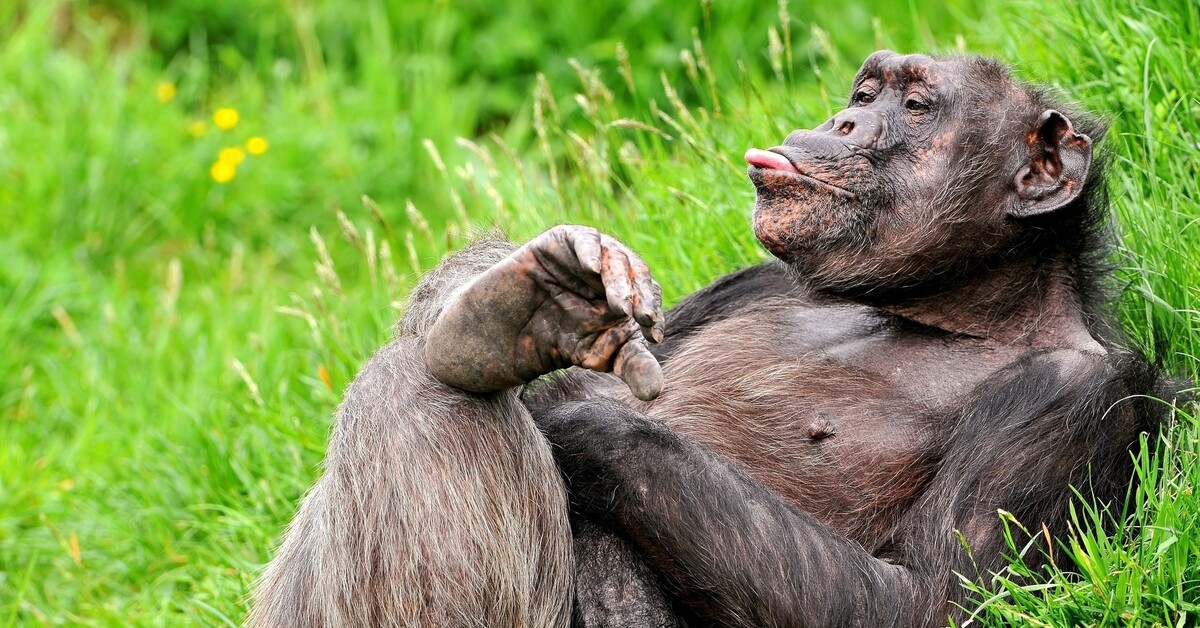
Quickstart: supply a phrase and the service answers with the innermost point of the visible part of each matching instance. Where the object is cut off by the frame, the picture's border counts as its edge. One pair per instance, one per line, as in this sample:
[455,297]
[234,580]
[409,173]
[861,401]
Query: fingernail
[649,387]
[656,334]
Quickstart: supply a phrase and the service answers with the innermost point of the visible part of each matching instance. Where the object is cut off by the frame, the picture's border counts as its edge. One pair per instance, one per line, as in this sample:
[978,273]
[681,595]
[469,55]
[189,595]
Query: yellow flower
[225,118]
[164,91]
[197,128]
[232,155]
[257,145]
[222,171]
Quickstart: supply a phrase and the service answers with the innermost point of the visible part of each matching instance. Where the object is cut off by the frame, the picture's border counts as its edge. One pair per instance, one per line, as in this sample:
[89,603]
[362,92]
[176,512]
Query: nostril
[846,128]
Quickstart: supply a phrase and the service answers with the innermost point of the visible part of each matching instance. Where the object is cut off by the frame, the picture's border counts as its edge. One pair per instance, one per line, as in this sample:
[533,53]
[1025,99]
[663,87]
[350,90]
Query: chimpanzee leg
[436,507]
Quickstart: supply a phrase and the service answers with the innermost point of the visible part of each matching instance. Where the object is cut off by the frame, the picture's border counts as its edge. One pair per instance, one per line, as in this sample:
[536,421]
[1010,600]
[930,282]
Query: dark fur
[724,530]
[738,498]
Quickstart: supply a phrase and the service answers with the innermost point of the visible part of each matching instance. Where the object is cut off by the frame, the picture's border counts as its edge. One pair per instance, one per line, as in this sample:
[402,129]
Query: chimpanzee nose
[858,127]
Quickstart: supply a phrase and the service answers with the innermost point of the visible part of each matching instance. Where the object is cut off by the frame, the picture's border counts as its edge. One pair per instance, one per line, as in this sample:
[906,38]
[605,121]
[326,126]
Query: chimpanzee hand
[571,296]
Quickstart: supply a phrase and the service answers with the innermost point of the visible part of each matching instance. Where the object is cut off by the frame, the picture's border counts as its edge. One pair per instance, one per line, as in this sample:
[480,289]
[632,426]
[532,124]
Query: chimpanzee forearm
[732,549]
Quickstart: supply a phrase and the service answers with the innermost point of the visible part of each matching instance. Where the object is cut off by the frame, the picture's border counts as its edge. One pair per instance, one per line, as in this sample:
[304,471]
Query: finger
[600,353]
[647,302]
[618,287]
[655,333]
[639,369]
[586,243]
[557,251]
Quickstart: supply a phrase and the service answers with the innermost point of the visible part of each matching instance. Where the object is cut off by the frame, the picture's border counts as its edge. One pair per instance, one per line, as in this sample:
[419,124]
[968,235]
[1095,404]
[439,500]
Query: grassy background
[173,347]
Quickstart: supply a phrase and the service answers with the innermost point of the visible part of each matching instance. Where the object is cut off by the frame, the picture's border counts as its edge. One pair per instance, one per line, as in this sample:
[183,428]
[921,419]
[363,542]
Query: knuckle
[581,231]
[565,233]
[610,242]
[594,361]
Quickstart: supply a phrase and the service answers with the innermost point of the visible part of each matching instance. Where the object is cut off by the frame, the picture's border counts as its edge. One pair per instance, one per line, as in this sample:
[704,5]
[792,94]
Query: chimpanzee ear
[1058,166]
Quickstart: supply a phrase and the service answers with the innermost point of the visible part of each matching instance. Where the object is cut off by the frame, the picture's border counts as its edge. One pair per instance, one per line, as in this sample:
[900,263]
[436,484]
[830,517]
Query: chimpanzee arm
[739,555]
[730,548]
[1052,421]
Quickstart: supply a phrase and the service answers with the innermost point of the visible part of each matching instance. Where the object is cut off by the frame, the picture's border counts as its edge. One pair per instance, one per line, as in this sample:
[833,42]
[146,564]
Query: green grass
[174,347]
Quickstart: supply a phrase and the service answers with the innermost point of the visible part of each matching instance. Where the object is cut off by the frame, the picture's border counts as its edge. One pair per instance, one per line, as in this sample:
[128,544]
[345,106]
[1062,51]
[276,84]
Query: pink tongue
[769,160]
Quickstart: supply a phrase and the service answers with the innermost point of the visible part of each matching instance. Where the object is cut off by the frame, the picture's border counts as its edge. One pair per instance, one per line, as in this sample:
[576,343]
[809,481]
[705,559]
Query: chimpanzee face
[924,169]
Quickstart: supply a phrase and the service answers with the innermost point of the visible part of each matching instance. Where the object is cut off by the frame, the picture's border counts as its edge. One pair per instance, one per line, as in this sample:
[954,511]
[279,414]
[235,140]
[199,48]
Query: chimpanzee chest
[836,408]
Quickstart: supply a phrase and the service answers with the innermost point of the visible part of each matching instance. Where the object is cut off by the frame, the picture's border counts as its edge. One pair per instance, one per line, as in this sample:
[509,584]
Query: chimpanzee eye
[863,97]
[916,106]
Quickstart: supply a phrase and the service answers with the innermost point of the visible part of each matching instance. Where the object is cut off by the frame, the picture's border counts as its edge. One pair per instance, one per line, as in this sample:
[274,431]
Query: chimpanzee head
[935,166]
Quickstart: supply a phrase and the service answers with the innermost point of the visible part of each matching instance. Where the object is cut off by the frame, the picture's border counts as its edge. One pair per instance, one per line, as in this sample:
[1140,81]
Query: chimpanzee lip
[759,174]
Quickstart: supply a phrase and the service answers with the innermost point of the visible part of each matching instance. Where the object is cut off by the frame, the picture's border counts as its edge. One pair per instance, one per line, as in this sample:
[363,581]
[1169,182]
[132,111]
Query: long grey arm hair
[436,508]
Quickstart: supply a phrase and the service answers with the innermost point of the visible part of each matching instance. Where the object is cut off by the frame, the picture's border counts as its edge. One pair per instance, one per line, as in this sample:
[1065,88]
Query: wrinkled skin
[570,297]
[900,188]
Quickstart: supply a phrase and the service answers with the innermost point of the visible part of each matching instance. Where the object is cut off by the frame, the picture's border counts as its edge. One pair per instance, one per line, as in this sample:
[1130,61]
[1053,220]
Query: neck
[1025,300]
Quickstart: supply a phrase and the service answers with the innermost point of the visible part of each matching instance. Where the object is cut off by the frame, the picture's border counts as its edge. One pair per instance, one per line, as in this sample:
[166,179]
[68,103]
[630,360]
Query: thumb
[639,369]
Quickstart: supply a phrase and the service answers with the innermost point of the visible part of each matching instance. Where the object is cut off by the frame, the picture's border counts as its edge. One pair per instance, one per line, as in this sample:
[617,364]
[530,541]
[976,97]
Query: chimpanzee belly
[839,409]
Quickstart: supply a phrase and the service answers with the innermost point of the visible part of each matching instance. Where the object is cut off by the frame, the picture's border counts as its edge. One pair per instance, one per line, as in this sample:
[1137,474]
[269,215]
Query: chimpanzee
[823,440]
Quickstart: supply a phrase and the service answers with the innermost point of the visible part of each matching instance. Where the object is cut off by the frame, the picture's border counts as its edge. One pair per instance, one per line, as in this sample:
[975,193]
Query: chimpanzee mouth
[763,162]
